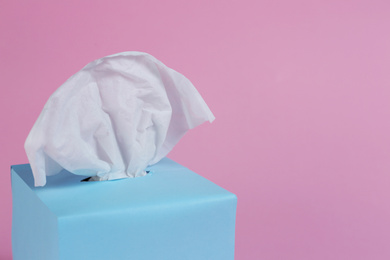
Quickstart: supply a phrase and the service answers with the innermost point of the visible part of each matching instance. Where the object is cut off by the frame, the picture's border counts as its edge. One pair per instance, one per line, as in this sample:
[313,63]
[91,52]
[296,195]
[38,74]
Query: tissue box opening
[91,178]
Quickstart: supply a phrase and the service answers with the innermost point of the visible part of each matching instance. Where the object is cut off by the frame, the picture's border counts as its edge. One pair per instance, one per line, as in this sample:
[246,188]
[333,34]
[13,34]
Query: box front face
[180,231]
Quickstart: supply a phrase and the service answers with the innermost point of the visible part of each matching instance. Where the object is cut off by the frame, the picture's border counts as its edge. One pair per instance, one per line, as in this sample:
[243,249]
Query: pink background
[300,91]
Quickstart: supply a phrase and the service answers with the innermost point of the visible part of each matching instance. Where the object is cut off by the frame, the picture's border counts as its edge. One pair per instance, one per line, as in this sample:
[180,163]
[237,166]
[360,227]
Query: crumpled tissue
[113,118]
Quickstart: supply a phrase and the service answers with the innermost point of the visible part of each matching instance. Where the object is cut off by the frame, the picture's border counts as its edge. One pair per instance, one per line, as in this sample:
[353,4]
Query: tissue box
[171,213]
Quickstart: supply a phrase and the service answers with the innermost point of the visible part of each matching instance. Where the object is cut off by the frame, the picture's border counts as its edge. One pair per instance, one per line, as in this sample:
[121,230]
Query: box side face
[190,231]
[34,227]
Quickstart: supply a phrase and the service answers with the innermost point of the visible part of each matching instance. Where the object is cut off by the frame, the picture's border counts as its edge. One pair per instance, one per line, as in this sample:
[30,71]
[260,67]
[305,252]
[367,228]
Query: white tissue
[113,118]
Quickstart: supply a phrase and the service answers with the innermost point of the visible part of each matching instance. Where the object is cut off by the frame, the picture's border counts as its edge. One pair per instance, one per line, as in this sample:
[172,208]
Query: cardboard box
[172,213]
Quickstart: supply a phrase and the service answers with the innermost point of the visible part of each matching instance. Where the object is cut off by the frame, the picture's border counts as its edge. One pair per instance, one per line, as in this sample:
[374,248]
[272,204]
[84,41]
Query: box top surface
[168,183]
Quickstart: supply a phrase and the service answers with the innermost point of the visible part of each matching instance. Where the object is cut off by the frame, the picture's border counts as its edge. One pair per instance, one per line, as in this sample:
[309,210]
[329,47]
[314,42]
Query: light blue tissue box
[172,213]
